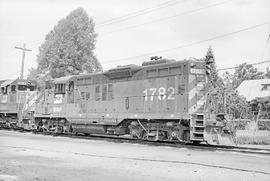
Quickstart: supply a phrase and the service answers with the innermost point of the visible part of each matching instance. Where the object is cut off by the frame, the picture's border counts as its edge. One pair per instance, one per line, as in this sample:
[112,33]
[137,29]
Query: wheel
[196,142]
[187,135]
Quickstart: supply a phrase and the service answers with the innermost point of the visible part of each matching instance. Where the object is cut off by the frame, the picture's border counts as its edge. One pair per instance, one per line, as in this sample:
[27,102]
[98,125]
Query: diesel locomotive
[160,100]
[13,96]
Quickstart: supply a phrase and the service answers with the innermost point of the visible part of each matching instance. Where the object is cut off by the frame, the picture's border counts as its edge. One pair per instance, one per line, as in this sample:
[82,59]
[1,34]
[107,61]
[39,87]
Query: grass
[248,137]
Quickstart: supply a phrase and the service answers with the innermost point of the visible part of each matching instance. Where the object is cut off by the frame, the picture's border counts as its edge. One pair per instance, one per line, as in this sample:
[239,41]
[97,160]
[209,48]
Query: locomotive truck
[160,100]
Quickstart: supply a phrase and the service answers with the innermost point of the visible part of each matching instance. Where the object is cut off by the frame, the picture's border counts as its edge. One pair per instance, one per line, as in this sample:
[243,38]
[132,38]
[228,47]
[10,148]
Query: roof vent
[122,71]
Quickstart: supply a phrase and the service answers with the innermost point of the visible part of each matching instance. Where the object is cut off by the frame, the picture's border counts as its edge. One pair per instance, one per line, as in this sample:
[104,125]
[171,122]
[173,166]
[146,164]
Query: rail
[176,144]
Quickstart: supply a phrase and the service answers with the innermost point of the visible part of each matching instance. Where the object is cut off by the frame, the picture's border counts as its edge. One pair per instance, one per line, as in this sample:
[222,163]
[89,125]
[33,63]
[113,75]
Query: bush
[264,125]
[248,137]
[242,124]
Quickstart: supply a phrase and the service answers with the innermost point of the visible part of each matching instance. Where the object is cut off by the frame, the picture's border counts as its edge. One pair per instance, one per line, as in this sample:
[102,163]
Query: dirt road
[25,156]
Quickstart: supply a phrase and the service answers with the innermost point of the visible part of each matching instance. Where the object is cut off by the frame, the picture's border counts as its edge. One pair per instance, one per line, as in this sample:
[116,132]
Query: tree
[222,94]
[225,99]
[267,75]
[222,98]
[40,77]
[235,104]
[68,48]
[245,71]
[227,78]
[214,79]
[215,84]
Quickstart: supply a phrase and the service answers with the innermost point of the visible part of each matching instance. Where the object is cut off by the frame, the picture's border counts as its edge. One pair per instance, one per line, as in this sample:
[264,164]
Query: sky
[174,29]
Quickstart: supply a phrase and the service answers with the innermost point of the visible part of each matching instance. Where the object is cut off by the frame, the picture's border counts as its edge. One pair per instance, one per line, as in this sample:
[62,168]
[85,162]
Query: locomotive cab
[13,96]
[52,111]
[63,90]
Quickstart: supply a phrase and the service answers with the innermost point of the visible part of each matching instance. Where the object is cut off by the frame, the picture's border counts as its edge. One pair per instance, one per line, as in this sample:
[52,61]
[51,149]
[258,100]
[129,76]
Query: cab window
[71,86]
[32,88]
[22,87]
[97,93]
[104,92]
[4,90]
[13,88]
[59,88]
[110,92]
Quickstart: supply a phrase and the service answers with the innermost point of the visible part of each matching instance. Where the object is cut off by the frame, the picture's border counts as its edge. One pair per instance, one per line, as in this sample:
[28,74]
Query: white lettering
[160,93]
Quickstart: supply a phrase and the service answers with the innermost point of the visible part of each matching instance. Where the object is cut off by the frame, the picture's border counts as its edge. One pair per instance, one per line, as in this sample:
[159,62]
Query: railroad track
[176,144]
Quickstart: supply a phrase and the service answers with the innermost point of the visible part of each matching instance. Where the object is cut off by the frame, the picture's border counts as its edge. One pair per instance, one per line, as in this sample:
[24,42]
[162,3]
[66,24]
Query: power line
[190,44]
[169,17]
[131,15]
[228,68]
[138,13]
[161,19]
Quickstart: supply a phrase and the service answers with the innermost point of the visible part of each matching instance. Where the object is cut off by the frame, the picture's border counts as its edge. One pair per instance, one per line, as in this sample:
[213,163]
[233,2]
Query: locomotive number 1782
[159,93]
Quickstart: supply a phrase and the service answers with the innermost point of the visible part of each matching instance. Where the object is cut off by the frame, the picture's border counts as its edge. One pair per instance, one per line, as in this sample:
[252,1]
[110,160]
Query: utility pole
[23,56]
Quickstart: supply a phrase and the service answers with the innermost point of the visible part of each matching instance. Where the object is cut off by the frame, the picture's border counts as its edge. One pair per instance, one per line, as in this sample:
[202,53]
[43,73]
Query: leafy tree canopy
[68,48]
[236,104]
[214,79]
[215,85]
[222,98]
[222,94]
[245,71]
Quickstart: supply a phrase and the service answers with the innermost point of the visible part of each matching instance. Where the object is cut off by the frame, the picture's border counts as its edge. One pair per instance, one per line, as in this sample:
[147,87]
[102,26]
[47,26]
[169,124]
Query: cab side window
[22,87]
[60,88]
[4,90]
[97,93]
[110,92]
[104,92]
[13,88]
